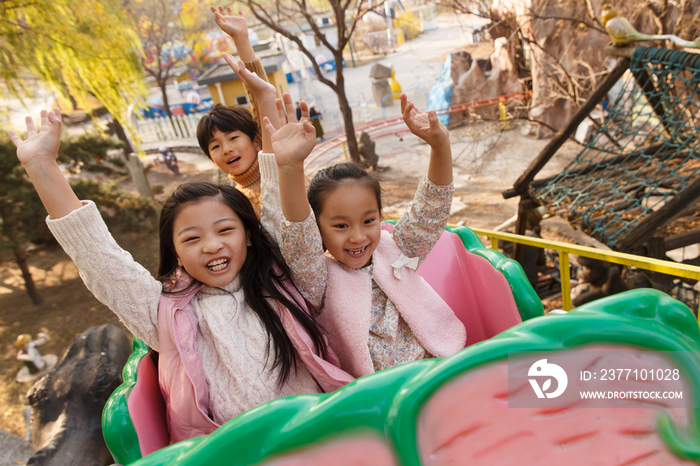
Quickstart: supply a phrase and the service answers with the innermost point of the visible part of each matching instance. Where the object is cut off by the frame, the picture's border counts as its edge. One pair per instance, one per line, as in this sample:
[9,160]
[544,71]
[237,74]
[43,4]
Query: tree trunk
[345,109]
[166,105]
[21,259]
[162,84]
[123,137]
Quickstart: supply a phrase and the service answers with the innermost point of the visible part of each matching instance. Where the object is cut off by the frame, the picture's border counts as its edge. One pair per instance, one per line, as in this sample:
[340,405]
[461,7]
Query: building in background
[227,88]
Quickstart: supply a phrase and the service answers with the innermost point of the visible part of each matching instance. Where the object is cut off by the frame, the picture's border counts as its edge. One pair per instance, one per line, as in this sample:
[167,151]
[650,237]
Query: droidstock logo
[543,369]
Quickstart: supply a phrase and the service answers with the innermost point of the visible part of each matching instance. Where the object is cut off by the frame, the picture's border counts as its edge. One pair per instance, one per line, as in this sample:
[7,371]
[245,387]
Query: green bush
[86,148]
[120,209]
[22,216]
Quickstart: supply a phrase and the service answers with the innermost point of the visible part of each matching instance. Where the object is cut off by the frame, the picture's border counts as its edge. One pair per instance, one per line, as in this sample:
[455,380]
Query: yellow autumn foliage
[79,48]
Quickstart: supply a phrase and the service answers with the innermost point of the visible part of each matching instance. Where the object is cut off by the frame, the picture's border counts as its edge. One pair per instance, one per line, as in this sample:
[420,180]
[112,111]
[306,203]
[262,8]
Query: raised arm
[300,239]
[427,127]
[263,92]
[108,271]
[420,228]
[38,155]
[236,27]
[292,143]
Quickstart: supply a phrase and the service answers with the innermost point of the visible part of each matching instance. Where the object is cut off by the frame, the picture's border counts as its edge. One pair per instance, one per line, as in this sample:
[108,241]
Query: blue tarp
[441,93]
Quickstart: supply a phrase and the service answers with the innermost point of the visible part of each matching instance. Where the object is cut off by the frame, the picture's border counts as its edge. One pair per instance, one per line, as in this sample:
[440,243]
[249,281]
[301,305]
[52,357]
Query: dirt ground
[68,307]
[487,161]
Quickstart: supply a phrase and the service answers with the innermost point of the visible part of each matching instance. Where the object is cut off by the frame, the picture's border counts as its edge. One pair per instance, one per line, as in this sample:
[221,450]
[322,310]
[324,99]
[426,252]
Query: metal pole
[352,56]
[565,280]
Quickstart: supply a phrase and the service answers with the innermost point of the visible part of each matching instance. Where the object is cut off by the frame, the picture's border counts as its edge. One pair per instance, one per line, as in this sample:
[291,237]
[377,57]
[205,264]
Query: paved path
[14,450]
[417,63]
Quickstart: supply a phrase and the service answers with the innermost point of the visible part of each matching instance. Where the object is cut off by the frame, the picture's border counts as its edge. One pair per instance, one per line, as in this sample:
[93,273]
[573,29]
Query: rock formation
[67,403]
[482,79]
[562,44]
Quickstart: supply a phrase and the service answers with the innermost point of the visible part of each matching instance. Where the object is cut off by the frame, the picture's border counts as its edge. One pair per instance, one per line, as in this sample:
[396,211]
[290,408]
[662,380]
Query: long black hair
[263,274]
[328,179]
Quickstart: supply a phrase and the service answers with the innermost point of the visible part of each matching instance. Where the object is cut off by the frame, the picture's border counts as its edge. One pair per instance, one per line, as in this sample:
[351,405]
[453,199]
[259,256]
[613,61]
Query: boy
[232,137]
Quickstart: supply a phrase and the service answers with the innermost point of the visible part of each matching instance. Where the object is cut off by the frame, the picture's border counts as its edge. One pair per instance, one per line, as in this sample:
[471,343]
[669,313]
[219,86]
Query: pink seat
[479,295]
[147,409]
[477,292]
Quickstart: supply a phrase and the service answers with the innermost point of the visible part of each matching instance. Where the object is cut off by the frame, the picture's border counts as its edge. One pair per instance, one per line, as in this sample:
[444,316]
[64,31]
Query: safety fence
[165,129]
[564,249]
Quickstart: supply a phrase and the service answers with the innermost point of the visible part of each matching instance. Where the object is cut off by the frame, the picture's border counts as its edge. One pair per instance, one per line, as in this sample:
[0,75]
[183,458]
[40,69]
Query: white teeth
[356,251]
[219,264]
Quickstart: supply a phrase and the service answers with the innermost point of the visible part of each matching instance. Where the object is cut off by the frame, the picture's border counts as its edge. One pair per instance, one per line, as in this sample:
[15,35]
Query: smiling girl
[231,329]
[377,311]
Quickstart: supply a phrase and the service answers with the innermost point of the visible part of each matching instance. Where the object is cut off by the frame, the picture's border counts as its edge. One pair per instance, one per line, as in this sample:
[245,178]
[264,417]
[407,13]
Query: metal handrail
[564,249]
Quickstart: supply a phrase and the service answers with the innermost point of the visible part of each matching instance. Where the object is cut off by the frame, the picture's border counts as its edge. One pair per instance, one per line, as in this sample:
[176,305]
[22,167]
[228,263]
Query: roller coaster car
[455,410]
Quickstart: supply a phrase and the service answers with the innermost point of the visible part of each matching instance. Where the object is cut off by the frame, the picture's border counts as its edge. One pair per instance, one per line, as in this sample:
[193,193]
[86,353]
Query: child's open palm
[233,25]
[42,144]
[255,83]
[293,142]
[424,125]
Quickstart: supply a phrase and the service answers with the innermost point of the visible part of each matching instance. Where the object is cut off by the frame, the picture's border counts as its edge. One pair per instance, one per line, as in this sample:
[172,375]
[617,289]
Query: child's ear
[257,142]
[179,262]
[248,242]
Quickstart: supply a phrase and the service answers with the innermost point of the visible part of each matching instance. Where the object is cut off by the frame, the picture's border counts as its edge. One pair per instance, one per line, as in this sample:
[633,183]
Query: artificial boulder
[66,426]
[483,79]
[381,88]
[562,44]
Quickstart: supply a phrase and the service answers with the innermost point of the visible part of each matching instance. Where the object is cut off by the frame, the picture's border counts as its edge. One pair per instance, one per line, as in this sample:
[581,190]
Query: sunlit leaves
[77,47]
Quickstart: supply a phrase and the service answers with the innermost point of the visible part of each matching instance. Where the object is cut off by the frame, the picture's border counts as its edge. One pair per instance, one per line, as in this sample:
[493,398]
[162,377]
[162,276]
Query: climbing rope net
[643,152]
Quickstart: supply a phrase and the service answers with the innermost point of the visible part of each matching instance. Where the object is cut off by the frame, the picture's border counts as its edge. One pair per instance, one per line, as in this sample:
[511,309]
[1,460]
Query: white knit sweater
[231,340]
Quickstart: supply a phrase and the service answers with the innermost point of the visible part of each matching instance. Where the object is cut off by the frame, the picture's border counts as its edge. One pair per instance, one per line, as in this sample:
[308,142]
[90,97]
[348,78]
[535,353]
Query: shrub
[120,209]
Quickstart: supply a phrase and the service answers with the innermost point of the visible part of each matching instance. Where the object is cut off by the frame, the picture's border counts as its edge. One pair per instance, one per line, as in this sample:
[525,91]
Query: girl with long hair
[231,329]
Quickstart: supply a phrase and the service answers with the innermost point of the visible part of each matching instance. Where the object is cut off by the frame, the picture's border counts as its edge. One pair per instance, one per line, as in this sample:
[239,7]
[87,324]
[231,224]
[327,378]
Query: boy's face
[233,152]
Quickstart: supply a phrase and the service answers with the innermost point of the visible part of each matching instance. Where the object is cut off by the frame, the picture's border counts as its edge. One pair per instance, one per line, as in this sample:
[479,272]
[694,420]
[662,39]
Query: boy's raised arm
[265,95]
[237,28]
[38,155]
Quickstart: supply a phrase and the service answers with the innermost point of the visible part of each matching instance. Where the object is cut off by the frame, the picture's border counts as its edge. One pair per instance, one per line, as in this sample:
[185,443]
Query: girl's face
[233,152]
[210,241]
[350,224]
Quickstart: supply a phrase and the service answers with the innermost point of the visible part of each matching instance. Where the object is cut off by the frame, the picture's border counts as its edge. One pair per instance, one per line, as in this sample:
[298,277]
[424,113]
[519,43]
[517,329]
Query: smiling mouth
[357,252]
[219,264]
[233,160]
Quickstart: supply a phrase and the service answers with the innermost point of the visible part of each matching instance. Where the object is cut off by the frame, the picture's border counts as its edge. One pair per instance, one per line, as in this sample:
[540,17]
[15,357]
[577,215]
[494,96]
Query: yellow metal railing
[564,249]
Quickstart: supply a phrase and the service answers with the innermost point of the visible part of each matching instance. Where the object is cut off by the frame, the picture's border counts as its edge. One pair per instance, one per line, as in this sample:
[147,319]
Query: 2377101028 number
[639,374]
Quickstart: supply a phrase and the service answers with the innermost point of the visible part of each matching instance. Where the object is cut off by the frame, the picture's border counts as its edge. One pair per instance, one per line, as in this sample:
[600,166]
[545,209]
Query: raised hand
[255,83]
[233,25]
[41,145]
[293,142]
[38,156]
[424,125]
